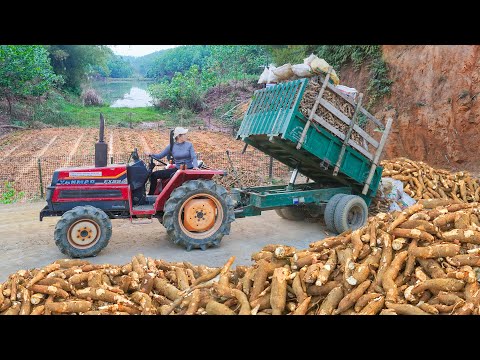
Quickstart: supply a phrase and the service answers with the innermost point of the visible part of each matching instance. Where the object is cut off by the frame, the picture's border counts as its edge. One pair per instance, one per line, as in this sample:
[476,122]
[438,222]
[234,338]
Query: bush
[379,84]
[338,55]
[91,98]
[53,111]
[10,195]
[183,91]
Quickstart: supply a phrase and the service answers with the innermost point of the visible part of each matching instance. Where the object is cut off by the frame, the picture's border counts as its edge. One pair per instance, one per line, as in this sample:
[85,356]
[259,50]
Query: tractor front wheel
[83,231]
[198,214]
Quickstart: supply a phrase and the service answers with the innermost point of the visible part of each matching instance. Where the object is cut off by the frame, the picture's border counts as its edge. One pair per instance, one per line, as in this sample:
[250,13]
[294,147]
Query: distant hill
[143,63]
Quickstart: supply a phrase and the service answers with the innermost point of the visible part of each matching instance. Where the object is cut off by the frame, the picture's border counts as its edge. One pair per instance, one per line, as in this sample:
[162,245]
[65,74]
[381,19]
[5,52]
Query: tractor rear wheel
[83,231]
[198,214]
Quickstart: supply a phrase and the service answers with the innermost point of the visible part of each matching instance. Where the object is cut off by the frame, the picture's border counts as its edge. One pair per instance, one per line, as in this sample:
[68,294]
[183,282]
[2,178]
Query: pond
[130,94]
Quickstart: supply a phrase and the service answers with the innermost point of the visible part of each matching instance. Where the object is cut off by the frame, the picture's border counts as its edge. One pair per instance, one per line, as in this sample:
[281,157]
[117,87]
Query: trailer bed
[274,124]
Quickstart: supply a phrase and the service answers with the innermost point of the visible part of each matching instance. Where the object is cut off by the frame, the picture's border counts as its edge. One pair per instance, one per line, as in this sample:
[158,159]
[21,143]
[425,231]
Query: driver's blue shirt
[183,153]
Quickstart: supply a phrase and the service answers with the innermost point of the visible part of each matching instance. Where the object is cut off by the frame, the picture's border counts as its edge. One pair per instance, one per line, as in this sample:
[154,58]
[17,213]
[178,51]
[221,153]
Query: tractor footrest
[143,207]
[150,199]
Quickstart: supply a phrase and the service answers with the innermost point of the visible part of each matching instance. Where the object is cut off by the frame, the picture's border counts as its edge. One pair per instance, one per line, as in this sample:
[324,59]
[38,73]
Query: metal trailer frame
[311,146]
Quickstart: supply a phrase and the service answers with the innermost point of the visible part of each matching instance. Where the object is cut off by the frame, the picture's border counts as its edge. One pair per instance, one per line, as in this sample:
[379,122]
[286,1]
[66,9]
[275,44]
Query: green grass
[89,116]
[65,110]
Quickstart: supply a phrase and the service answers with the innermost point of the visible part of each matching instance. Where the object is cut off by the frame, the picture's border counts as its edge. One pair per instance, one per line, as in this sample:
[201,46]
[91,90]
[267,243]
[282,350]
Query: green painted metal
[273,124]
[271,109]
[263,198]
[272,200]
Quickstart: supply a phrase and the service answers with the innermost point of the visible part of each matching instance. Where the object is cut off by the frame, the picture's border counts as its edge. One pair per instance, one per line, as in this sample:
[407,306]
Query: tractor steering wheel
[154,158]
[133,156]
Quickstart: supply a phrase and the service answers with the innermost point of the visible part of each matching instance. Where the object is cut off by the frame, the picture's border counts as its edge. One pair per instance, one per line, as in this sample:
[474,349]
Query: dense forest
[184,74]
[49,79]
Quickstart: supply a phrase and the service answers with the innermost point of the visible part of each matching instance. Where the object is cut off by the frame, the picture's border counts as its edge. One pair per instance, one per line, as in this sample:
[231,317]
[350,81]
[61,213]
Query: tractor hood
[90,175]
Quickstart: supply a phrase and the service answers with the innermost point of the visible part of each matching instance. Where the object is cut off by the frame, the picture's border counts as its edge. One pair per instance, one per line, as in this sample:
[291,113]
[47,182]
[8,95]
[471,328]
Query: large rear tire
[291,213]
[330,211]
[83,231]
[351,213]
[209,211]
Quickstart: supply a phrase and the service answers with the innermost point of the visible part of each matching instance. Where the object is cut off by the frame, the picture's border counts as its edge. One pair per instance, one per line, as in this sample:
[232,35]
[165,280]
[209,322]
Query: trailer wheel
[291,213]
[351,213]
[83,231]
[330,211]
[198,214]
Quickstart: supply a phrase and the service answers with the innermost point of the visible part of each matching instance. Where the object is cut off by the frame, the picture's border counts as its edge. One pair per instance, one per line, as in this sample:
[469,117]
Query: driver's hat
[179,131]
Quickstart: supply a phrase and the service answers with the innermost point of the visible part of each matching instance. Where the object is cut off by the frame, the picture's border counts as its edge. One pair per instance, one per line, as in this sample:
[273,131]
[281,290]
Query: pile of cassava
[421,181]
[423,260]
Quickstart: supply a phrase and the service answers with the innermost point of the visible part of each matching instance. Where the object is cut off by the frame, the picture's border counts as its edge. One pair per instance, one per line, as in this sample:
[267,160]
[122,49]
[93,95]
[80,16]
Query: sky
[138,50]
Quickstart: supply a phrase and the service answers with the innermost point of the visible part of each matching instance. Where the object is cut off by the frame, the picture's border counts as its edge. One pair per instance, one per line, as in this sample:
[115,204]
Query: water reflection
[131,94]
[135,98]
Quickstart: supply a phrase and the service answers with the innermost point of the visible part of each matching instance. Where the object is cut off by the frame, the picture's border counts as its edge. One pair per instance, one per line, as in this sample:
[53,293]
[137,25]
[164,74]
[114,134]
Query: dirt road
[27,243]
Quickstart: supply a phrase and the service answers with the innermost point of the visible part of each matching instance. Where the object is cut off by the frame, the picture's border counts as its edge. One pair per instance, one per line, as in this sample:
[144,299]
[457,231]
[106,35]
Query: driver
[182,152]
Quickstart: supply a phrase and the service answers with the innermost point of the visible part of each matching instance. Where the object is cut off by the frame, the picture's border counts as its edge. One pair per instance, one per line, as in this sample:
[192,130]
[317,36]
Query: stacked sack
[311,66]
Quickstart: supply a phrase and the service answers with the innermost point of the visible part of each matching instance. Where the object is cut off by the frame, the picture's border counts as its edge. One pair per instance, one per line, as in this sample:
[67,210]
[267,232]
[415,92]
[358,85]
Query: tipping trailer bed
[341,171]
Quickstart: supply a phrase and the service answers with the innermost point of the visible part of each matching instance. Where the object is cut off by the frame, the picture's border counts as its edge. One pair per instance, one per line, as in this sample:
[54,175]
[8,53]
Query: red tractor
[196,211]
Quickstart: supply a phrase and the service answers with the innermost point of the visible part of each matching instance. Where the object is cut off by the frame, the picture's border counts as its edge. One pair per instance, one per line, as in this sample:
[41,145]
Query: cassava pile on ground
[143,286]
[309,98]
[421,181]
[423,260]
[379,204]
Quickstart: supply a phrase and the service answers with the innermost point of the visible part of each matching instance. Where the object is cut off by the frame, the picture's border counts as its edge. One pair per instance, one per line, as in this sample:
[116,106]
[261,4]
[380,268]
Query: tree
[25,70]
[119,68]
[141,65]
[183,91]
[179,59]
[75,62]
[235,61]
[294,54]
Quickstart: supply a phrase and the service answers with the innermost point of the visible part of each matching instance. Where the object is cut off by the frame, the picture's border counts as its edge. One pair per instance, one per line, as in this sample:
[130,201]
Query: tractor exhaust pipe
[102,128]
[101,147]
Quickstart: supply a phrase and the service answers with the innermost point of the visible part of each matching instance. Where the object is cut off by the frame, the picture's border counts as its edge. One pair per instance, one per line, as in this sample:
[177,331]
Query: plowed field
[65,142]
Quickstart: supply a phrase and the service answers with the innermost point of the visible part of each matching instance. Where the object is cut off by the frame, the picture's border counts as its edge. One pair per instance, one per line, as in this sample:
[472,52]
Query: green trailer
[342,175]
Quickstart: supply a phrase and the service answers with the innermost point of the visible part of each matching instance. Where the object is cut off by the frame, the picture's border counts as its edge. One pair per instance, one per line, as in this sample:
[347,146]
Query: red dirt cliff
[433,102]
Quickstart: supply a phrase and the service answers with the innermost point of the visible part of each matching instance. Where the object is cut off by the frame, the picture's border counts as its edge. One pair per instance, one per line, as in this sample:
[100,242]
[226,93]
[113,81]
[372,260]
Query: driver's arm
[163,153]
[193,156]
